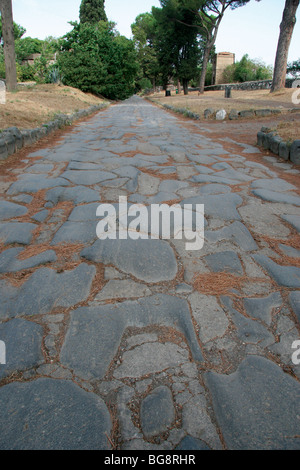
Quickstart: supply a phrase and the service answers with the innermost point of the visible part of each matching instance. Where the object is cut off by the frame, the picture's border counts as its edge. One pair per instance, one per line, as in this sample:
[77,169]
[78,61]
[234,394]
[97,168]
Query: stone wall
[257,85]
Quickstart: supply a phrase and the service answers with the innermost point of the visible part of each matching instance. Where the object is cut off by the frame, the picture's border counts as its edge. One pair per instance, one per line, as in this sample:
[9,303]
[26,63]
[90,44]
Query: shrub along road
[142,344]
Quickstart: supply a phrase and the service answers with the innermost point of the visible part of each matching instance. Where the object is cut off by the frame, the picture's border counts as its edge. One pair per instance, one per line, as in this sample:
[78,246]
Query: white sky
[252,29]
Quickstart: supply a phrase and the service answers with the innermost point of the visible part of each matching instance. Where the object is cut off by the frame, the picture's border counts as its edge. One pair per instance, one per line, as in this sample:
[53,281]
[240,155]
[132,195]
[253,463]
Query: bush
[27,73]
[95,59]
[294,68]
[144,84]
[247,70]
[2,69]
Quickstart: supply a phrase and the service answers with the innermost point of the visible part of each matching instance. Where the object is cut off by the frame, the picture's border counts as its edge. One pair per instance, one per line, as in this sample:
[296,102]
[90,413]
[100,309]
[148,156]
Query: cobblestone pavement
[123,344]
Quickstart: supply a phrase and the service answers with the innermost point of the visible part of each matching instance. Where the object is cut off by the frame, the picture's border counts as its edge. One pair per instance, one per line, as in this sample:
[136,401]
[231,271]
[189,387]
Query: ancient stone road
[142,344]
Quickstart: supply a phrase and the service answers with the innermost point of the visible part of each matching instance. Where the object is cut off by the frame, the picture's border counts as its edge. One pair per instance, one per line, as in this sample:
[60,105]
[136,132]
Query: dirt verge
[34,105]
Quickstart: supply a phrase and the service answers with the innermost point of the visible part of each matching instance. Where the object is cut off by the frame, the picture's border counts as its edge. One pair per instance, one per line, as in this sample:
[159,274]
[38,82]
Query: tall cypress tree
[92,11]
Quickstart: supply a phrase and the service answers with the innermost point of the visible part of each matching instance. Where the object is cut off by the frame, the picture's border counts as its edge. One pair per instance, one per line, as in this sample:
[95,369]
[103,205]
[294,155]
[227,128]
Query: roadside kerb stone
[274,143]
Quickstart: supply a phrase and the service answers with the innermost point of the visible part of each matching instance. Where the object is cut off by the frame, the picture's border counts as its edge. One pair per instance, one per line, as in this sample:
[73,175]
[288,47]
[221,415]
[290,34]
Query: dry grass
[288,131]
[32,106]
[241,100]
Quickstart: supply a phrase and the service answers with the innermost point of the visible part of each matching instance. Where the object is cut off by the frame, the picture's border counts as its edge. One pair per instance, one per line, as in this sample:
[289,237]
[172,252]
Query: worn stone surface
[99,329]
[9,261]
[122,289]
[46,290]
[288,276]
[257,407]
[157,412]
[295,303]
[9,210]
[16,232]
[226,261]
[37,416]
[147,260]
[144,344]
[23,340]
[210,317]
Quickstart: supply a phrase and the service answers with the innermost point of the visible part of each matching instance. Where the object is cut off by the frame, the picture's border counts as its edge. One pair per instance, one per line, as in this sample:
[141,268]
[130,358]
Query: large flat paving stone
[52,415]
[84,213]
[150,358]
[9,210]
[248,331]
[76,232]
[230,173]
[40,168]
[225,261]
[87,177]
[46,290]
[148,260]
[157,412]
[275,196]
[78,194]
[236,233]
[16,232]
[273,184]
[124,289]
[294,220]
[257,407]
[209,316]
[34,183]
[23,341]
[222,206]
[95,332]
[288,276]
[190,443]
[261,307]
[9,261]
[263,219]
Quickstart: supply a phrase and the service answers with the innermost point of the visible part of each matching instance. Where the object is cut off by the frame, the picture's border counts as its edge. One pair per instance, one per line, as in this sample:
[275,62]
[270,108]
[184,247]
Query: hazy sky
[252,29]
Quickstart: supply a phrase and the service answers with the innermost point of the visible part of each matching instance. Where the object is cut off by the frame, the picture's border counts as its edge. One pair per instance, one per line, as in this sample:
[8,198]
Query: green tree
[27,46]
[92,11]
[177,44]
[144,31]
[294,68]
[96,59]
[208,15]
[19,31]
[247,70]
